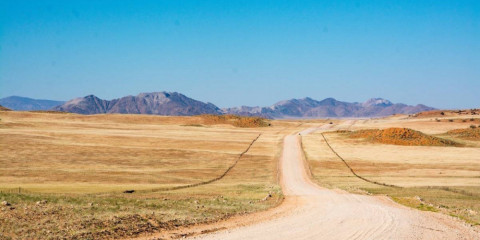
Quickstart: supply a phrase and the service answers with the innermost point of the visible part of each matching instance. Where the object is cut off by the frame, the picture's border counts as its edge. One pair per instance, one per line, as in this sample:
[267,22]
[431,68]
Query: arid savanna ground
[64,175]
[443,179]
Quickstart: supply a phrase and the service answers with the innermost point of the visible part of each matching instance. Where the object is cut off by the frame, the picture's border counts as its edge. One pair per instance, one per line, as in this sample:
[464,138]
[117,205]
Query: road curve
[328,214]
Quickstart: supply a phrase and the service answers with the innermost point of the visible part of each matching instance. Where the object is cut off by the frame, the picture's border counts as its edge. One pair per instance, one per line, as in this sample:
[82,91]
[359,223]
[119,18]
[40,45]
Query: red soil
[401,136]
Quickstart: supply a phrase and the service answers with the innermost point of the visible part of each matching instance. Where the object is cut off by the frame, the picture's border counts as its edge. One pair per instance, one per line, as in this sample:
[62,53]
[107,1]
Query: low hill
[2,108]
[28,104]
[401,136]
[448,113]
[234,120]
[472,133]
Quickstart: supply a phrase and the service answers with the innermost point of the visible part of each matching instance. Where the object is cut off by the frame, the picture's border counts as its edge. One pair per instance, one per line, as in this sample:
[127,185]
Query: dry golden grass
[82,164]
[46,153]
[446,179]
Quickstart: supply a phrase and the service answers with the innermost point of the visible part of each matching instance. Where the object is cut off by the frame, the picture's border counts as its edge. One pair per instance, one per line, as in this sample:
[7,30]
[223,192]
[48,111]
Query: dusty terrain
[431,178]
[77,167]
[63,176]
[320,213]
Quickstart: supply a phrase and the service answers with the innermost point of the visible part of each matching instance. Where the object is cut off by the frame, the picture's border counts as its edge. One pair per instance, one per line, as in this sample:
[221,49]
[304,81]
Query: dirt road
[318,213]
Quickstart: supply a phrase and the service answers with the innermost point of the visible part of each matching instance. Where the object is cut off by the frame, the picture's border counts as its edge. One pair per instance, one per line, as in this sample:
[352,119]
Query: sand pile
[467,133]
[401,136]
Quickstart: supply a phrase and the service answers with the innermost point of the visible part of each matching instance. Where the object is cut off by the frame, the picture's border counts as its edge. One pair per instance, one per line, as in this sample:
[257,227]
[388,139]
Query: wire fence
[18,190]
[21,190]
[353,172]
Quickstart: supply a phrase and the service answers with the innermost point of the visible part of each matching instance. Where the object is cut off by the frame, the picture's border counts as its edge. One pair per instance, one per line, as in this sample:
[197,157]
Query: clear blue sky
[243,52]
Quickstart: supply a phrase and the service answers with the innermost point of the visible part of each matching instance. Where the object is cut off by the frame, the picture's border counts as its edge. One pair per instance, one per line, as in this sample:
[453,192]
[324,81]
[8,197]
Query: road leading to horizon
[320,213]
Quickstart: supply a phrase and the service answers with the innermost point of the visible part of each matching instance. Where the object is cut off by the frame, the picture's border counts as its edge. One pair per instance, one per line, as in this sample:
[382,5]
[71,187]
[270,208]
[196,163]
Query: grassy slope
[80,165]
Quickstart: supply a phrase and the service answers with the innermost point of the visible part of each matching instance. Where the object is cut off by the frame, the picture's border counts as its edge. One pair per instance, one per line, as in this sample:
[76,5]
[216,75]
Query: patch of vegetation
[113,216]
[235,120]
[459,120]
[192,125]
[341,131]
[452,200]
[440,113]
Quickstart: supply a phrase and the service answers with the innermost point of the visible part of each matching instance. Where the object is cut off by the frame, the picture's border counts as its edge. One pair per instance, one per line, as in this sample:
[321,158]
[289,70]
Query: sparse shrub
[250,122]
[342,131]
[450,120]
[192,125]
[472,133]
[442,113]
[471,119]
[436,119]
[464,120]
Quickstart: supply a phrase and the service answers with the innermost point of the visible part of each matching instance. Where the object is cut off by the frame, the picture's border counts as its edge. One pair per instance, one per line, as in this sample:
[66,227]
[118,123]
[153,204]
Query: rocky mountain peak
[377,102]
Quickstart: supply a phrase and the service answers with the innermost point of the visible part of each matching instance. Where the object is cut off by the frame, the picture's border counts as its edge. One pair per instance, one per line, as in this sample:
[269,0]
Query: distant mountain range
[176,104]
[158,103]
[28,104]
[329,107]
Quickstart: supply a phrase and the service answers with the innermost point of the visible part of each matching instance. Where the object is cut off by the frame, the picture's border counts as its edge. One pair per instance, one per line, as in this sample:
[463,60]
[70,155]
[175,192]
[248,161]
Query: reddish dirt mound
[2,108]
[237,121]
[467,133]
[402,136]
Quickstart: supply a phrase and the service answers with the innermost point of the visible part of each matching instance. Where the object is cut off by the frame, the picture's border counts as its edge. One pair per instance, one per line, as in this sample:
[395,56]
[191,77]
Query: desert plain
[113,176]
